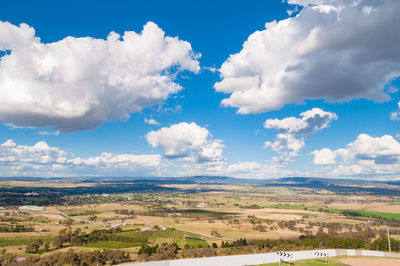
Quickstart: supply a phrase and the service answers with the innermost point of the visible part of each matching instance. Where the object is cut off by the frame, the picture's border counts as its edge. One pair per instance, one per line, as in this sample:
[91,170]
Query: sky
[255,89]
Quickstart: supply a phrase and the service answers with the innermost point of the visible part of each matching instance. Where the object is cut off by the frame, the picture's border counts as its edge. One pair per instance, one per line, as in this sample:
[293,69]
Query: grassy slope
[112,245]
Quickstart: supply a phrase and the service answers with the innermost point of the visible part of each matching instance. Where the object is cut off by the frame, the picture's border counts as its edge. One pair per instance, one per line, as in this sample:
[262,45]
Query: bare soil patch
[370,261]
[50,212]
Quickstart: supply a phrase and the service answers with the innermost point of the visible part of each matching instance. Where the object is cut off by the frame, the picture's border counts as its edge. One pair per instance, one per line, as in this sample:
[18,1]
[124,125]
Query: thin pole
[390,250]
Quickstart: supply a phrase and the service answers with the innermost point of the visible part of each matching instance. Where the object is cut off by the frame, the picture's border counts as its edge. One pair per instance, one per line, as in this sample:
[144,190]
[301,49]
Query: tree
[46,246]
[34,246]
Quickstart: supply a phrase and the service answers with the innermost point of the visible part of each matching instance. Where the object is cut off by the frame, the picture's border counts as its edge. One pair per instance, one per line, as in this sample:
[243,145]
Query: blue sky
[313,94]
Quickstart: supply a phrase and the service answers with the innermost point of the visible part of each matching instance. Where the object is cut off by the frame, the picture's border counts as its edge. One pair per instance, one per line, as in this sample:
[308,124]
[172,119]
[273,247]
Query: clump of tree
[304,242]
[125,212]
[34,247]
[347,243]
[71,257]
[147,250]
[382,244]
[252,206]
[17,228]
[238,243]
[215,233]
[199,252]
[162,252]
[67,237]
[260,228]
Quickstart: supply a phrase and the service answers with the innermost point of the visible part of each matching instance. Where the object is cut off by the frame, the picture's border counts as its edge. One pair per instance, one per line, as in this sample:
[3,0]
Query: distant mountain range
[154,184]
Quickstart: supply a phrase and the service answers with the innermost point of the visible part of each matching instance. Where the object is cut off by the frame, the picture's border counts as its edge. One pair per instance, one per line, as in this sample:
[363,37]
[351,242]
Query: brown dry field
[232,231]
[279,214]
[194,186]
[49,212]
[370,261]
[374,206]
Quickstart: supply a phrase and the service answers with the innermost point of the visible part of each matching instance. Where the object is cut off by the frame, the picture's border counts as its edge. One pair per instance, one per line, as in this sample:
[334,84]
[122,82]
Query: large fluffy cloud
[39,156]
[44,160]
[332,50]
[310,122]
[324,156]
[129,161]
[366,155]
[79,83]
[189,142]
[292,130]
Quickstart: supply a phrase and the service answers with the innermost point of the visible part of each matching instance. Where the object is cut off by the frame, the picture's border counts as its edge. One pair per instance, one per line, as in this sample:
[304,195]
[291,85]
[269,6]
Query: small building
[31,208]
[31,194]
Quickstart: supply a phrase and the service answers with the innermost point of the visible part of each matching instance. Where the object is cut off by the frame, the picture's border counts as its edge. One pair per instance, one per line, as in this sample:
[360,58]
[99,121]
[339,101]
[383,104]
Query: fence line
[254,259]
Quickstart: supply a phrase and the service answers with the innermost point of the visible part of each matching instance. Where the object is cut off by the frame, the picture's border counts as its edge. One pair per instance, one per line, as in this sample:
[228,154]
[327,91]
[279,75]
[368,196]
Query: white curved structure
[254,259]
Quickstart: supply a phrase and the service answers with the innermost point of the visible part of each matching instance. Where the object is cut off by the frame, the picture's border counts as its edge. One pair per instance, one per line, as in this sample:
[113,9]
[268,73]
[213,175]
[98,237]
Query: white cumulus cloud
[18,159]
[190,142]
[331,50]
[151,121]
[310,122]
[324,156]
[80,83]
[292,130]
[128,161]
[366,155]
[44,160]
[286,145]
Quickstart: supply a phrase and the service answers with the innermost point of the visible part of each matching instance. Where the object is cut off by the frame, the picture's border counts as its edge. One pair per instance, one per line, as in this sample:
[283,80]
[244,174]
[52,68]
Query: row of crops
[21,240]
[182,239]
[125,239]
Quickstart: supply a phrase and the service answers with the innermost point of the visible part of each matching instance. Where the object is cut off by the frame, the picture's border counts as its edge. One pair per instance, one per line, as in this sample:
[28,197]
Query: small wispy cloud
[211,69]
[46,133]
[151,121]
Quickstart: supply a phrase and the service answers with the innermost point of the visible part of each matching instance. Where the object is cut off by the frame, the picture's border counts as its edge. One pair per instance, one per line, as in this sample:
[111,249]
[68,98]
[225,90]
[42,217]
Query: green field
[165,236]
[291,207]
[204,213]
[385,215]
[111,245]
[312,262]
[15,241]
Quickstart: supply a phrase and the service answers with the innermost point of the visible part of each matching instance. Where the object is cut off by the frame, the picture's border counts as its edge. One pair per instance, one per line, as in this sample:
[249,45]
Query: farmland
[165,236]
[185,220]
[17,240]
[110,245]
